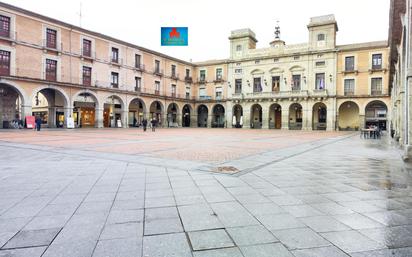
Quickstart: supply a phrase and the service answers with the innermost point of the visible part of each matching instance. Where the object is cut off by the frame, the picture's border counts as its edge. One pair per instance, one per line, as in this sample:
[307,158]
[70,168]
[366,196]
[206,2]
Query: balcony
[116,61]
[204,98]
[349,93]
[52,46]
[157,92]
[218,79]
[89,55]
[188,79]
[173,95]
[139,67]
[282,94]
[202,80]
[8,35]
[350,71]
[320,93]
[158,72]
[377,69]
[175,76]
[376,92]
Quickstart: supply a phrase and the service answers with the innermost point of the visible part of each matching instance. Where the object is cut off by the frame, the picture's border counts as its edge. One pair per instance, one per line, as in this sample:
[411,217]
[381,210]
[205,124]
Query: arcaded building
[57,71]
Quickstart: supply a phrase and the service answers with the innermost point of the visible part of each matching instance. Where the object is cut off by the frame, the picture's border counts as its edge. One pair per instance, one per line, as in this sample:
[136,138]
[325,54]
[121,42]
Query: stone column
[68,113]
[265,117]
[51,120]
[361,121]
[285,118]
[209,120]
[125,119]
[98,123]
[307,117]
[179,119]
[246,118]
[26,110]
[193,120]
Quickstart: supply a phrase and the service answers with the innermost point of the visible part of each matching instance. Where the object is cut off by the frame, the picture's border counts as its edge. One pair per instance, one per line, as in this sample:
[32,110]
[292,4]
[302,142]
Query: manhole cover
[227,170]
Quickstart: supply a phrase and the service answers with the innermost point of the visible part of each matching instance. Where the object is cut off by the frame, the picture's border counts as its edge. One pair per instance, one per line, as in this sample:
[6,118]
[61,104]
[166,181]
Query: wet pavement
[124,193]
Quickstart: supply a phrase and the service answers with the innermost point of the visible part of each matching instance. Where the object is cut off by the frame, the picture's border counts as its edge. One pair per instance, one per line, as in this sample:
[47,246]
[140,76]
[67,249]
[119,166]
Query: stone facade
[400,36]
[279,87]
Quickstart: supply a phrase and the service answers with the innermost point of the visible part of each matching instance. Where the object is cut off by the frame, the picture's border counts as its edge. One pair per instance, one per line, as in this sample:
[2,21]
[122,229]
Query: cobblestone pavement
[97,193]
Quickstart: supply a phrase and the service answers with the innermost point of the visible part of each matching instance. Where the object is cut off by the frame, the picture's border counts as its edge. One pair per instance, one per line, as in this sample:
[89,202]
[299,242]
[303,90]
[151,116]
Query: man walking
[38,123]
[153,125]
[144,123]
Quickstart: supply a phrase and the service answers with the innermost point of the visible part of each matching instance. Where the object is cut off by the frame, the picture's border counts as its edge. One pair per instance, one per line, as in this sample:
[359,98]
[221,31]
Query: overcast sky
[210,21]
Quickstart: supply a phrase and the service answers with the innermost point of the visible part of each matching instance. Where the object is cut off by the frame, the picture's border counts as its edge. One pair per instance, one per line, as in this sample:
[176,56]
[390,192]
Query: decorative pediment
[296,68]
[276,70]
[257,72]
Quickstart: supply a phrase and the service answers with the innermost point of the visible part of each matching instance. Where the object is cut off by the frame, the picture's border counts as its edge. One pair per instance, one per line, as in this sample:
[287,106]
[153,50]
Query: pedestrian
[38,123]
[144,123]
[153,125]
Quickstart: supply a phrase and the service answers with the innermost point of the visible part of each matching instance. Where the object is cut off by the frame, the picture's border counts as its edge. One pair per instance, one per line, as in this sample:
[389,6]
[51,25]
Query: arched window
[321,37]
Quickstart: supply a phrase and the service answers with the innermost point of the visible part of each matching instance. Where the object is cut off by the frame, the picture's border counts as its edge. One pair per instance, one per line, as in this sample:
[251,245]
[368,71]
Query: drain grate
[226,169]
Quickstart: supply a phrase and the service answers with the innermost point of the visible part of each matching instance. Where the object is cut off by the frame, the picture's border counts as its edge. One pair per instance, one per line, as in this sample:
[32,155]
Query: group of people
[153,124]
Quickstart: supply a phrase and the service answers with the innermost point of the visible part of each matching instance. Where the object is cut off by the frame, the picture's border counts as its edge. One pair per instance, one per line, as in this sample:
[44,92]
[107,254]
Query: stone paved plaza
[103,192]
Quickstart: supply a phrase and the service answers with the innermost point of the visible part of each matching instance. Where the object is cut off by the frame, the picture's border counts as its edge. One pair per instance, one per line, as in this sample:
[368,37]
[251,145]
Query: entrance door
[278,119]
[59,119]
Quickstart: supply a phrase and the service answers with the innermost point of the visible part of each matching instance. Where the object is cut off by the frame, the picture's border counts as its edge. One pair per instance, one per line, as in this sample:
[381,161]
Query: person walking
[38,123]
[153,122]
[144,123]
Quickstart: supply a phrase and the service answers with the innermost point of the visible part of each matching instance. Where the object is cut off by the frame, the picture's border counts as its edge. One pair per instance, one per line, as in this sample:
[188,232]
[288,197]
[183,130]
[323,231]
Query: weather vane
[277,30]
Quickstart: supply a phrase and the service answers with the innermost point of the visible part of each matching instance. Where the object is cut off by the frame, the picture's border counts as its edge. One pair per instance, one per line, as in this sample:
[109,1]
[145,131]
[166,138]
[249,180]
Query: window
[87,48]
[219,74]
[239,48]
[4,26]
[257,85]
[238,71]
[319,55]
[157,87]
[276,60]
[376,86]
[138,85]
[202,92]
[87,76]
[320,81]
[320,63]
[377,61]
[275,84]
[295,82]
[187,73]
[4,63]
[157,66]
[202,76]
[218,93]
[349,87]
[321,37]
[174,71]
[173,89]
[115,80]
[238,86]
[51,38]
[257,61]
[296,58]
[51,70]
[137,60]
[187,92]
[115,55]
[350,63]
[238,64]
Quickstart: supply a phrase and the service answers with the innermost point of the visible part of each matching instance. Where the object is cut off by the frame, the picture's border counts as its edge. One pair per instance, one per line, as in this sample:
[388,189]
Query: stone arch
[156,111]
[114,111]
[257,72]
[296,68]
[54,106]
[319,116]
[295,116]
[86,110]
[187,112]
[218,112]
[348,113]
[173,115]
[202,115]
[256,116]
[137,111]
[14,105]
[376,114]
[275,116]
[237,120]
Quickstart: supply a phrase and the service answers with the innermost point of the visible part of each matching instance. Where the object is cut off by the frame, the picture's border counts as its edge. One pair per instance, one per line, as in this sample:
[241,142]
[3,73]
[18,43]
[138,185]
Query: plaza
[201,192]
